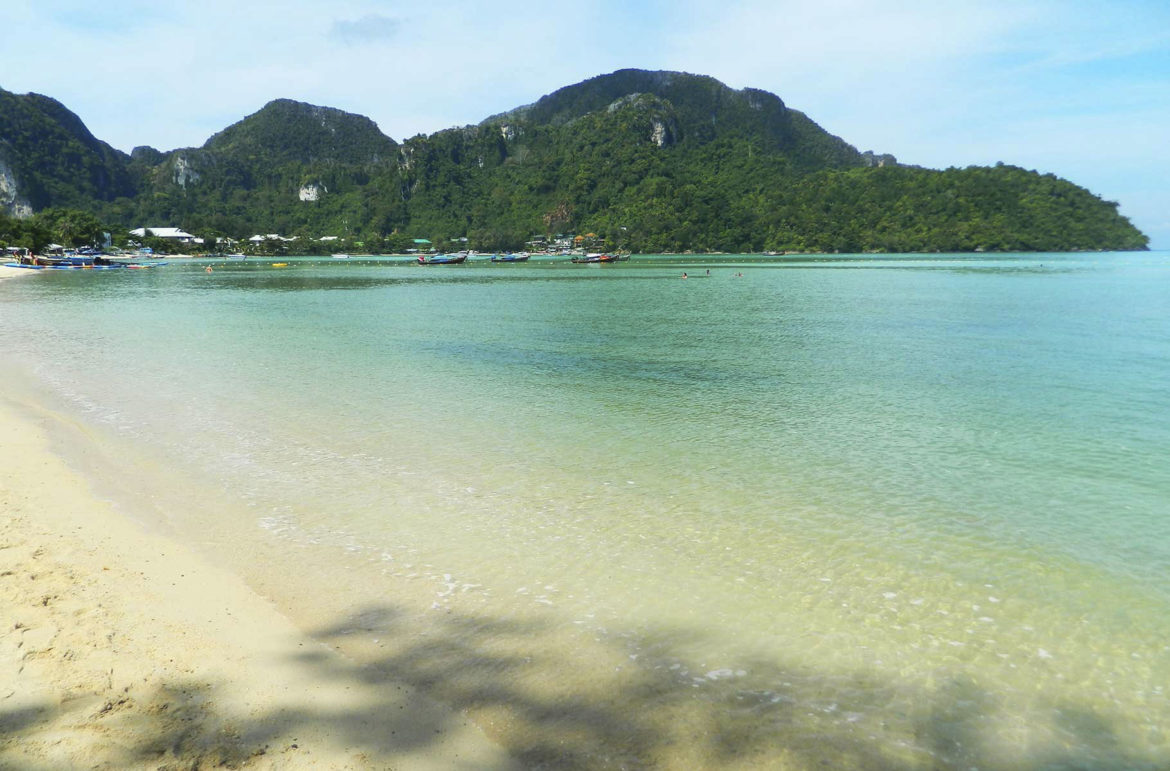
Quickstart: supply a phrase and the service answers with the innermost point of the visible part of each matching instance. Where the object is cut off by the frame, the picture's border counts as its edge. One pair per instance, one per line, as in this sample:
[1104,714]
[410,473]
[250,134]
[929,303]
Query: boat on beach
[77,262]
[443,259]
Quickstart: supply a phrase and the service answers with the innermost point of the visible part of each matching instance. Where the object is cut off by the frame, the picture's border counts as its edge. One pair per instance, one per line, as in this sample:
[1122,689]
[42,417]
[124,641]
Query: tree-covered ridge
[900,209]
[285,131]
[647,161]
[290,167]
[705,110]
[54,158]
[603,171]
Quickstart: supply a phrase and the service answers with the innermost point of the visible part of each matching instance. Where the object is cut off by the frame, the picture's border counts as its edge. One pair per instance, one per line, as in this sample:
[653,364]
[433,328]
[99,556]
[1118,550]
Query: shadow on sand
[652,714]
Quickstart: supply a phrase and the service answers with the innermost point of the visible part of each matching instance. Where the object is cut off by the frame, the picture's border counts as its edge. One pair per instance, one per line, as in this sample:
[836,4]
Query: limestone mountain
[288,167]
[285,131]
[49,158]
[648,161]
[703,110]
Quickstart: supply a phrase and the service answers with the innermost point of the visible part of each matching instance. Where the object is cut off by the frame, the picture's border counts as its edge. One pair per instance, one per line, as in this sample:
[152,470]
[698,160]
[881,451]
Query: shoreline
[7,272]
[124,648]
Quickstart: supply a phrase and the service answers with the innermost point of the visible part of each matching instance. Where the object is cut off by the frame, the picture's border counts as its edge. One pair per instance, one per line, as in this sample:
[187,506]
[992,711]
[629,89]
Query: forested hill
[294,132]
[49,158]
[701,110]
[648,161]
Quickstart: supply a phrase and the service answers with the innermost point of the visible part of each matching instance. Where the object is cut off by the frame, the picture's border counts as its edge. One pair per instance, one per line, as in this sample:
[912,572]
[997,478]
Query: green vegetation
[54,157]
[648,161]
[68,227]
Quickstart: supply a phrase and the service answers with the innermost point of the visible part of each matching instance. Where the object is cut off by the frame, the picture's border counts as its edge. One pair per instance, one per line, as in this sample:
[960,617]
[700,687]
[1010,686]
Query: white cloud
[371,28]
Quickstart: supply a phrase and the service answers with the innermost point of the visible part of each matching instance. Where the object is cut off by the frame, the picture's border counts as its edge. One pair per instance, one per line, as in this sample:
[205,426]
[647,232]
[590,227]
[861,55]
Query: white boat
[340,256]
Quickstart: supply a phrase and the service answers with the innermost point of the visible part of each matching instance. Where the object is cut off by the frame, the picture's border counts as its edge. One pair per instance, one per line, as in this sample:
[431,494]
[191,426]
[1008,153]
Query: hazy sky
[1078,88]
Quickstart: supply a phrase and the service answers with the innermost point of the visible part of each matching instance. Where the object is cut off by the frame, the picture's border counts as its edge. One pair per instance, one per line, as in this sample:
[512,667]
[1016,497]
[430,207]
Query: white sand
[121,648]
[6,272]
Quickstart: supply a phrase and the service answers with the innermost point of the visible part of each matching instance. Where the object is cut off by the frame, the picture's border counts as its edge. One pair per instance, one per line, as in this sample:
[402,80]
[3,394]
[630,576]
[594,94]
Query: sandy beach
[121,648]
[6,272]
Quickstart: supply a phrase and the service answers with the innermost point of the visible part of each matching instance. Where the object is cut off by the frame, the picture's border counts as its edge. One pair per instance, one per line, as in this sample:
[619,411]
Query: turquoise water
[903,511]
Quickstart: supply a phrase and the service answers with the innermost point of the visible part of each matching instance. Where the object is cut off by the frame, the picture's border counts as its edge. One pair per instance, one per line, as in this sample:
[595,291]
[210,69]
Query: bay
[871,511]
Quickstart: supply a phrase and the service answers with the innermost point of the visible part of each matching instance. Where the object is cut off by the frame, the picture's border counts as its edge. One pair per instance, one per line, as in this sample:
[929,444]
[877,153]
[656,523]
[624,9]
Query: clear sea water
[869,512]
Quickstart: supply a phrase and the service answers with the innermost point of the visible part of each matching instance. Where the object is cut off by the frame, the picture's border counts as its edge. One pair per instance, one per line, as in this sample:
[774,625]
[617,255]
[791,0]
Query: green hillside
[648,161]
[53,159]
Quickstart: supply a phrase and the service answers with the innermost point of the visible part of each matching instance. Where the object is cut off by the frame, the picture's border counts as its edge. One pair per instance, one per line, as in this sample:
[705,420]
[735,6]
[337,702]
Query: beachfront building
[172,234]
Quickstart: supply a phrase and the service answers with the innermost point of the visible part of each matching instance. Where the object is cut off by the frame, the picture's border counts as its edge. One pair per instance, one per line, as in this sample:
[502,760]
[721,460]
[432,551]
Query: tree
[72,228]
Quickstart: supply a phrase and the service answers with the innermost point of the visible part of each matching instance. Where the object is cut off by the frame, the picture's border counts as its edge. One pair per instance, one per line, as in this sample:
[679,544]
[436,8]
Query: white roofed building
[174,234]
[270,237]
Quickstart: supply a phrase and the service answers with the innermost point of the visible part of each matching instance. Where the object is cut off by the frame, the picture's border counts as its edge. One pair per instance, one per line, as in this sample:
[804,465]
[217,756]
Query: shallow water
[899,511]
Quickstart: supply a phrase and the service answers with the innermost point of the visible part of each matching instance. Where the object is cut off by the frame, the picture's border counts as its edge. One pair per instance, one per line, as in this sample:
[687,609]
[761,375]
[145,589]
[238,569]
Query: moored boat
[594,258]
[443,259]
[521,257]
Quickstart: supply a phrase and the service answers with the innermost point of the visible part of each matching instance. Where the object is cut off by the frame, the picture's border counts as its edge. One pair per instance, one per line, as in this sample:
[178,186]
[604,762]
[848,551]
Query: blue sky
[1076,88]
